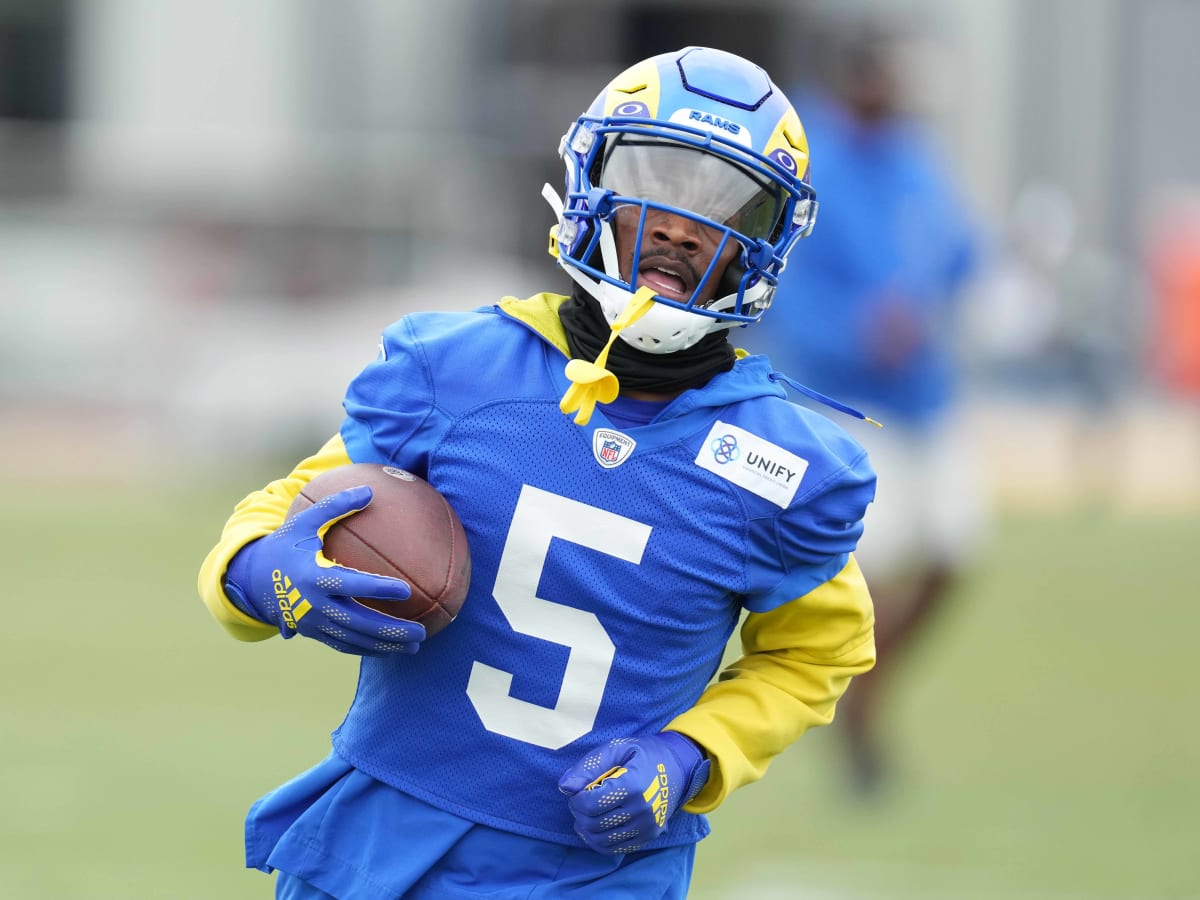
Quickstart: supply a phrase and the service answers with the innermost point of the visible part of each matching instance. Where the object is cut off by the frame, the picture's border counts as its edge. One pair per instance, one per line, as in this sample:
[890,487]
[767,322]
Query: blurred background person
[867,314]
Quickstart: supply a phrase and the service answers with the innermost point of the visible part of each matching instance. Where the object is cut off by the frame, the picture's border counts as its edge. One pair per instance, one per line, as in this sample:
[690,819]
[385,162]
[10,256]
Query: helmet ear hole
[593,173]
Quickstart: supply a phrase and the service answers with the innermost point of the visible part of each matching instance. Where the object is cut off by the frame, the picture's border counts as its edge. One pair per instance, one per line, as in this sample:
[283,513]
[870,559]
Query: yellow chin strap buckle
[592,383]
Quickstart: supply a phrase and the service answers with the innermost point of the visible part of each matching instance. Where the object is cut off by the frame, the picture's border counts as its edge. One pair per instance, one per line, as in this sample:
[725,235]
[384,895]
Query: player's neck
[652,396]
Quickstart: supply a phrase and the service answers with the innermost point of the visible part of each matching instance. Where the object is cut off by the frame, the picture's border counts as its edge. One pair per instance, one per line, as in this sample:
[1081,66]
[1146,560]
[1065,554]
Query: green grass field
[1047,736]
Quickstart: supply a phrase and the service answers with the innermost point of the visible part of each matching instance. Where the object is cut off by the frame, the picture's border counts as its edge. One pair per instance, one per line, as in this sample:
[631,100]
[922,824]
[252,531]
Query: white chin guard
[664,329]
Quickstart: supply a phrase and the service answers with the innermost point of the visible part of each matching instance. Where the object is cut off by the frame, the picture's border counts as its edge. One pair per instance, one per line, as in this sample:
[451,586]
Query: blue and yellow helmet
[698,133]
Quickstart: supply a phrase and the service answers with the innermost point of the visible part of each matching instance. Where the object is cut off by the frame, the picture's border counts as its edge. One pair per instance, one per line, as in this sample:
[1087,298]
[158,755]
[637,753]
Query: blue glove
[284,579]
[623,794]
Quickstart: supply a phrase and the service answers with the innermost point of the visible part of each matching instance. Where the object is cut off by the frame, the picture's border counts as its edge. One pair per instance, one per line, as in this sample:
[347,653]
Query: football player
[632,487]
[893,292]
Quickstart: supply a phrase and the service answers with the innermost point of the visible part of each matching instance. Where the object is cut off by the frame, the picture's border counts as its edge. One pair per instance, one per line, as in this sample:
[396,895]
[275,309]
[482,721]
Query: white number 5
[539,517]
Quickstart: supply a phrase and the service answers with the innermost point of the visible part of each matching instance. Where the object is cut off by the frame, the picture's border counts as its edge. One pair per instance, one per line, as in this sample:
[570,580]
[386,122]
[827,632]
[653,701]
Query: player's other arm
[799,659]
[256,516]
[797,662]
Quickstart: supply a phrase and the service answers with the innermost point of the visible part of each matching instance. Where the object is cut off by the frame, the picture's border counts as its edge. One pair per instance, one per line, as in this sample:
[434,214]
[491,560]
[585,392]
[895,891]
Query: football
[407,531]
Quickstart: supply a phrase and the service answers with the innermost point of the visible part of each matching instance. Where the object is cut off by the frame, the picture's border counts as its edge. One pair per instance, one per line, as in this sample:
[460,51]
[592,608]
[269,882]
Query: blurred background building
[198,197]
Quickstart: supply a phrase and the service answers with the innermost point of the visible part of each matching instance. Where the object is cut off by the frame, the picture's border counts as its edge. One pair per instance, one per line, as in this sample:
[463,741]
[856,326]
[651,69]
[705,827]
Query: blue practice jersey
[893,229]
[609,566]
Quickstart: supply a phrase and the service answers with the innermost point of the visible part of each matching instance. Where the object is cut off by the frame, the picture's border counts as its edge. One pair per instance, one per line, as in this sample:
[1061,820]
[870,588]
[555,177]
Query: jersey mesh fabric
[669,618]
[620,586]
[626,412]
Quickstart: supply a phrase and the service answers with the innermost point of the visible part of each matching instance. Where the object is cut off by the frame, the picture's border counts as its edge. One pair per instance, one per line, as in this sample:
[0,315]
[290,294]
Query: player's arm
[808,633]
[797,662]
[805,637]
[256,516]
[388,405]
[262,579]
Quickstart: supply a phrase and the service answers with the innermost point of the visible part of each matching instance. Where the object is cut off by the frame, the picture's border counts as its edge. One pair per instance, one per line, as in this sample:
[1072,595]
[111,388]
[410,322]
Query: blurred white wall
[223,172]
[178,94]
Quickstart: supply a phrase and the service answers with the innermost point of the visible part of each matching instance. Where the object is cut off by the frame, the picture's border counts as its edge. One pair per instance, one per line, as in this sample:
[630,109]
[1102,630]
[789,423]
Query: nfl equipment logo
[611,448]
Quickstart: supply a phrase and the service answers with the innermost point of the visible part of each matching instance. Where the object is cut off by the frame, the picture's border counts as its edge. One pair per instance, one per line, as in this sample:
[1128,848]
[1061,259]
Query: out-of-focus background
[208,211]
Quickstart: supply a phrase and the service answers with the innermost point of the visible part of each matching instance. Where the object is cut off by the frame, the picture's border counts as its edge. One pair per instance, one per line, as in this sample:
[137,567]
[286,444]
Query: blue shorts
[341,832]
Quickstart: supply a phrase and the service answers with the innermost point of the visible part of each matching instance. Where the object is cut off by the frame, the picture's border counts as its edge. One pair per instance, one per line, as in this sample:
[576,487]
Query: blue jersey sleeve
[391,413]
[808,544]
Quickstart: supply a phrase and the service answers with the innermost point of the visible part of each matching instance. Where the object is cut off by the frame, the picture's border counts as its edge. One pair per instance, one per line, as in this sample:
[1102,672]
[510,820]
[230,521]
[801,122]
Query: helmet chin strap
[608,250]
[598,289]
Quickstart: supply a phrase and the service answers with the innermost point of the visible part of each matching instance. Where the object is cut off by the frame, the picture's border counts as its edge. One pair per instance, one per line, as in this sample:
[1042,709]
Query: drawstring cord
[821,398]
[592,383]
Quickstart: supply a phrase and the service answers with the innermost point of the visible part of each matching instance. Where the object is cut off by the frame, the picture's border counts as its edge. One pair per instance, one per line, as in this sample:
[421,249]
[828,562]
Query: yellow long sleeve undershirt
[256,516]
[797,662]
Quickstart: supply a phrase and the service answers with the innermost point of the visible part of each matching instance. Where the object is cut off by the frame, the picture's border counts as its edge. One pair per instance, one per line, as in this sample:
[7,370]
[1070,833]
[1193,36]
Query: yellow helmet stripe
[639,82]
[789,137]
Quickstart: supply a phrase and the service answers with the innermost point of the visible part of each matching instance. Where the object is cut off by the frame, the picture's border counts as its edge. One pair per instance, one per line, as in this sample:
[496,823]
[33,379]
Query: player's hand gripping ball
[407,531]
[283,579]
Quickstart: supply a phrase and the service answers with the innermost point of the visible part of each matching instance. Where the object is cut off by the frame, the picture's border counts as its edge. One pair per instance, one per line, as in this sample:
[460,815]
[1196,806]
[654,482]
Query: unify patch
[752,463]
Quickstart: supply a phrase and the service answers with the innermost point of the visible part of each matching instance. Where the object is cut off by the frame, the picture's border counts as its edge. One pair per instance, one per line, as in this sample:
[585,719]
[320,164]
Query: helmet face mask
[703,139]
[670,175]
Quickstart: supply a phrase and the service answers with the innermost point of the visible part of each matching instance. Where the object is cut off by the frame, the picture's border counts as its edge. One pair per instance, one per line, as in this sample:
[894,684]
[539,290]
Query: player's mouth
[667,277]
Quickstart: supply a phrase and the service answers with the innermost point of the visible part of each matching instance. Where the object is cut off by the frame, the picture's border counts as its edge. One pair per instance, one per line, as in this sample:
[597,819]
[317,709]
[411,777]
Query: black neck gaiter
[588,332]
